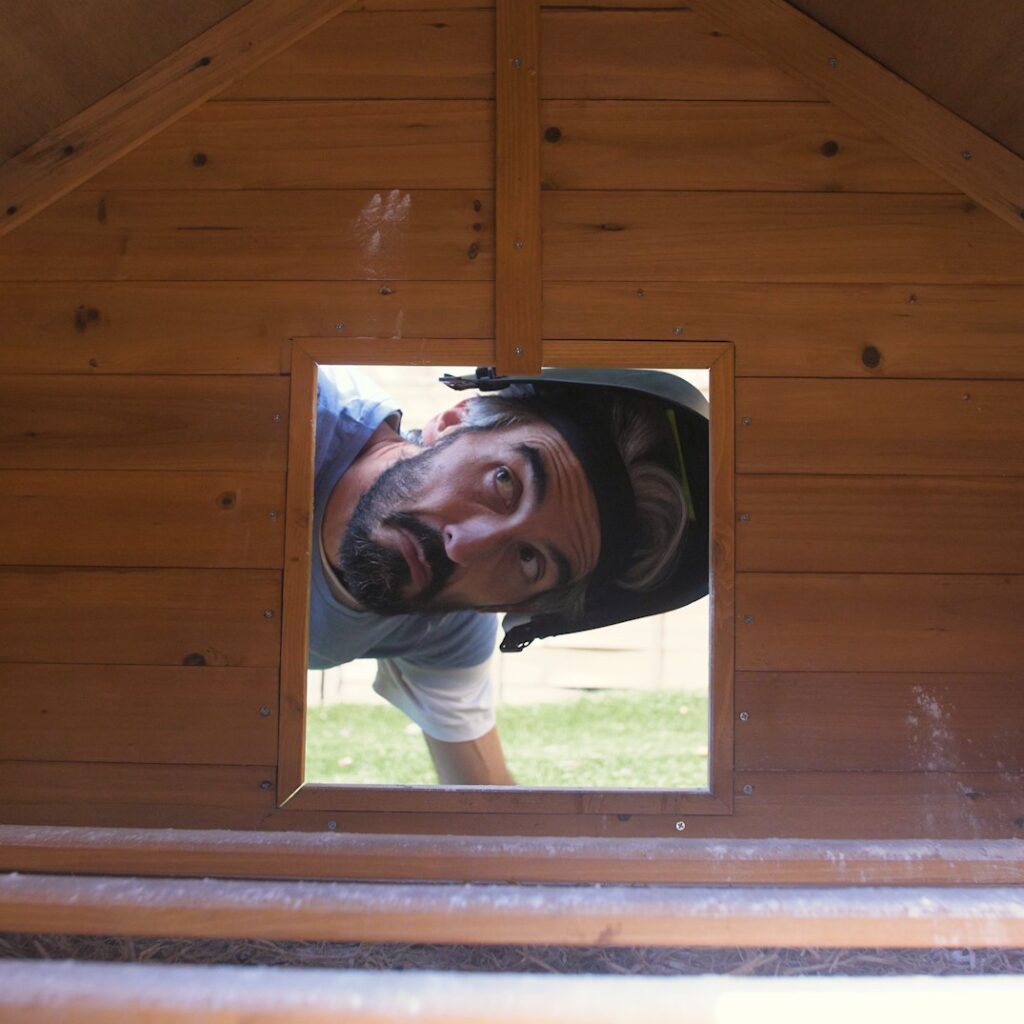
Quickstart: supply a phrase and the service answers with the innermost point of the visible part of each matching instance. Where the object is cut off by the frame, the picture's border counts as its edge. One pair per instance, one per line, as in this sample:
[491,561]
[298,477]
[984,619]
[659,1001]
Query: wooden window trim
[434,807]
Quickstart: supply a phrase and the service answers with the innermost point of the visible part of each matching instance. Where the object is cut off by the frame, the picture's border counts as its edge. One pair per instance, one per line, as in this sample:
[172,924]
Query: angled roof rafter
[73,152]
[965,156]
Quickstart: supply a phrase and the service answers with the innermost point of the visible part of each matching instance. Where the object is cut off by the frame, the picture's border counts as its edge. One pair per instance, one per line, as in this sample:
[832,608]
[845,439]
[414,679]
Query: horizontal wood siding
[690,191]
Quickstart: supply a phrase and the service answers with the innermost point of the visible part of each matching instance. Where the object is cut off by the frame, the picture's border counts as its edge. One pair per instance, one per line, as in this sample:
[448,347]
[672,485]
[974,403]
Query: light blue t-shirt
[434,667]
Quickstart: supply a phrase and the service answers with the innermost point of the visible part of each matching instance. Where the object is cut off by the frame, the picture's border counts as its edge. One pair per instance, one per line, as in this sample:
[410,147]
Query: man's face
[482,519]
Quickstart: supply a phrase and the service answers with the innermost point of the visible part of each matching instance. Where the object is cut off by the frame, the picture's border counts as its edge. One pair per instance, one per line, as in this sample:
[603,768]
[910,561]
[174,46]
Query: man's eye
[531,563]
[505,480]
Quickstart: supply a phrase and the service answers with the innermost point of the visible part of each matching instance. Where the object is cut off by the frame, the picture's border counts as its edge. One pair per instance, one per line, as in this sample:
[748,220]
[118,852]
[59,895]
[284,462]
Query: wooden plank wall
[690,192]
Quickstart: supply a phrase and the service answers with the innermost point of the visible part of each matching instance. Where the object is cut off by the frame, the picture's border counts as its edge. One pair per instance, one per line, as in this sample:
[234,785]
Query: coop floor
[524,959]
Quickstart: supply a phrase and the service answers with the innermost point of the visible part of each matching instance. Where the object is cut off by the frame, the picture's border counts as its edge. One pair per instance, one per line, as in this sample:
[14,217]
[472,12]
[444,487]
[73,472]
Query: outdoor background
[624,706]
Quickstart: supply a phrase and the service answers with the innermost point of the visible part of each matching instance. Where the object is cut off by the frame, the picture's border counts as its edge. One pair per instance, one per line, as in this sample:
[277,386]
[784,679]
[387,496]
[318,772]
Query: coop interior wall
[691,191]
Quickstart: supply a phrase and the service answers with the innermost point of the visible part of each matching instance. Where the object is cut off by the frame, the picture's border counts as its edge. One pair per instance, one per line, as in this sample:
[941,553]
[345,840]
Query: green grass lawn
[606,739]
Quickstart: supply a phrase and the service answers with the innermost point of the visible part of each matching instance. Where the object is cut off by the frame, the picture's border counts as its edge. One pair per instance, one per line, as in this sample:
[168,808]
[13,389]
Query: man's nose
[474,538]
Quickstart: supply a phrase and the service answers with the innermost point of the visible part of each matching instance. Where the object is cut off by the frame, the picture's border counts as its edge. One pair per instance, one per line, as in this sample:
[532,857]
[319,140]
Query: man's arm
[479,762]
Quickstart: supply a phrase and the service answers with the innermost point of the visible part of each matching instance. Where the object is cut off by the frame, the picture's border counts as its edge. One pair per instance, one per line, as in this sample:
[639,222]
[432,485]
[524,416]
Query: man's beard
[375,575]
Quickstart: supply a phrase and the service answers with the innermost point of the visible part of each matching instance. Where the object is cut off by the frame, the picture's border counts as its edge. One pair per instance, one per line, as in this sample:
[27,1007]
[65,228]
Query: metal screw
[518,244]
[748,619]
[748,789]
[272,515]
[517,62]
[277,417]
[833,62]
[339,327]
[745,421]
[268,613]
[677,330]
[744,716]
[332,825]
[518,350]
[265,784]
[967,154]
[680,826]
[265,711]
[744,517]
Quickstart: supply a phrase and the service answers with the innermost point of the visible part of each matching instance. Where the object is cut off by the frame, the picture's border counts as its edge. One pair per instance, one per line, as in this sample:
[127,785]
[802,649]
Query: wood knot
[830,148]
[200,160]
[553,134]
[68,150]
[611,227]
[11,211]
[871,357]
[473,251]
[85,316]
[227,499]
[195,659]
[385,290]
[477,205]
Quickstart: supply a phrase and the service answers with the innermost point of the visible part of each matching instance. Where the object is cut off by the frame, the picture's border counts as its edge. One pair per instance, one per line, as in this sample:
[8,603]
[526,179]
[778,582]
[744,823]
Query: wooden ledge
[514,914]
[334,856]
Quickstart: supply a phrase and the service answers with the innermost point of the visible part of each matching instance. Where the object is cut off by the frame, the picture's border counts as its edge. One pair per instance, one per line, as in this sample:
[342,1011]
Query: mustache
[432,546]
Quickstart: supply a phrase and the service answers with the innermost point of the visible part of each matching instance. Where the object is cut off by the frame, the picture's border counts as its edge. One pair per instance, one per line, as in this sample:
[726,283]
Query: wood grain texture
[57,59]
[428,55]
[947,428]
[132,714]
[71,153]
[517,281]
[141,616]
[220,327]
[237,854]
[819,330]
[148,795]
[212,520]
[904,722]
[783,237]
[961,53]
[970,160]
[720,146]
[257,235]
[879,524]
[144,423]
[616,916]
[653,55]
[879,623]
[379,144]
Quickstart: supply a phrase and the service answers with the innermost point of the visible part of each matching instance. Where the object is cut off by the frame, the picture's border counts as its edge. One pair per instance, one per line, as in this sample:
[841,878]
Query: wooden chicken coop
[819,201]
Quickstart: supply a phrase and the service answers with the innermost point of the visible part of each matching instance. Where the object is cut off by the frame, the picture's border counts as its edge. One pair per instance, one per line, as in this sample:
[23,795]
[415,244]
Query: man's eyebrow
[539,479]
[538,472]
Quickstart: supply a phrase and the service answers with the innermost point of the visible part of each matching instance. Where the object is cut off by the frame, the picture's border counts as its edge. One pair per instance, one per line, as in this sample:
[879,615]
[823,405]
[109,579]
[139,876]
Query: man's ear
[437,426]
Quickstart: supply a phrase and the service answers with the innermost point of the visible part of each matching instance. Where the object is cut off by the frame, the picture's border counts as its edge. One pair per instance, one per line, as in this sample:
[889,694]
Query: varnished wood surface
[904,427]
[232,520]
[141,616]
[252,235]
[816,330]
[952,147]
[904,722]
[721,146]
[144,423]
[879,524]
[59,58]
[879,623]
[74,150]
[220,327]
[809,237]
[379,144]
[961,53]
[128,713]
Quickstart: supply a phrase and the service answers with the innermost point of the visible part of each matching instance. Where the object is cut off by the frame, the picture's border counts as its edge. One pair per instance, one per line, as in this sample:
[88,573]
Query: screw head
[748,619]
[744,716]
[517,62]
[746,421]
[966,154]
[271,515]
[276,417]
[677,330]
[332,825]
[748,789]
[680,826]
[264,711]
[744,517]
[518,244]
[266,784]
[518,351]
[339,327]
[268,613]
[833,62]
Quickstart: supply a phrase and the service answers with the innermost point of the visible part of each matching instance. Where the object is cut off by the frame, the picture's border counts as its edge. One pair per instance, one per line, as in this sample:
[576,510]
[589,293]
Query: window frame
[482,810]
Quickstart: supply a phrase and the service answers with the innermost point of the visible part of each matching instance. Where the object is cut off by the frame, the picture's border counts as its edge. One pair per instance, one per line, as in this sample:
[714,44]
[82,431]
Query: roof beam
[966,157]
[76,150]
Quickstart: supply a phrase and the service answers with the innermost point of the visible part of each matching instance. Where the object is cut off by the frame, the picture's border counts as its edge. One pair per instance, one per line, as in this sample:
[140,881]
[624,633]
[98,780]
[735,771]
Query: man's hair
[643,438]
